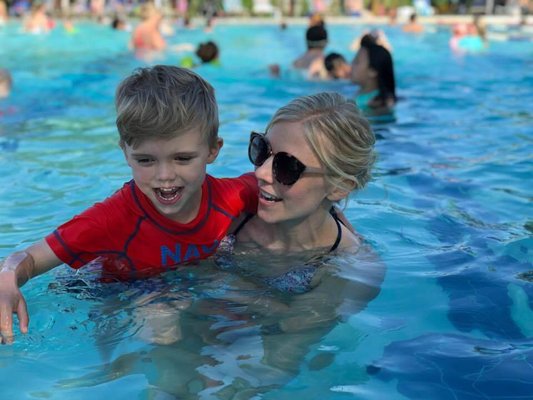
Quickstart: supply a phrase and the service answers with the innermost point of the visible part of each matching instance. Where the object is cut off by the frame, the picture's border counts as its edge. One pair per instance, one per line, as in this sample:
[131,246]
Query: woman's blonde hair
[338,134]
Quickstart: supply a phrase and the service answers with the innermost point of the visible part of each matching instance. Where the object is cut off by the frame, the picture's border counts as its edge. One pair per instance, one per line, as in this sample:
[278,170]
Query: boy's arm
[15,271]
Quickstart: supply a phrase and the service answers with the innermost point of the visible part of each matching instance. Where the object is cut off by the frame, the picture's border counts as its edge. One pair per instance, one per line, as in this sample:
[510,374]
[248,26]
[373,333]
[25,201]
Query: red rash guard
[132,240]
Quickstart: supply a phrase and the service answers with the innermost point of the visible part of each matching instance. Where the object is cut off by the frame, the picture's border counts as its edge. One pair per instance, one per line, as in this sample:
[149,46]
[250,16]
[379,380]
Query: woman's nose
[264,172]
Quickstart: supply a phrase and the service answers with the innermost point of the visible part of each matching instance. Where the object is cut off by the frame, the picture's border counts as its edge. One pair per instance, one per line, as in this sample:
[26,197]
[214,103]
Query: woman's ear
[338,193]
[214,150]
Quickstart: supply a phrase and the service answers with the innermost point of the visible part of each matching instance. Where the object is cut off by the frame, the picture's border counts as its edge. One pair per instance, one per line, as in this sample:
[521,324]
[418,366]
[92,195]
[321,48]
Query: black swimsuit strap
[331,211]
[243,222]
[339,229]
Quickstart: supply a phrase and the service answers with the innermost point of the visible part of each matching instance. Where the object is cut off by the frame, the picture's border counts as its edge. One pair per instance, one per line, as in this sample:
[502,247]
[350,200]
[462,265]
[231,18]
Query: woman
[310,269]
[373,71]
[315,152]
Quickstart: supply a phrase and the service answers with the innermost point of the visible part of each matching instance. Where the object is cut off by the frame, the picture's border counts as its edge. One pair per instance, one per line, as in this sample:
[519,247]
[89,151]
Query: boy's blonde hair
[338,134]
[164,101]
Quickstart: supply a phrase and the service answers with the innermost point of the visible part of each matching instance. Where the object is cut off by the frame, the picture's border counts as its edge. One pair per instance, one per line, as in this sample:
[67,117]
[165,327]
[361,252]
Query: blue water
[449,212]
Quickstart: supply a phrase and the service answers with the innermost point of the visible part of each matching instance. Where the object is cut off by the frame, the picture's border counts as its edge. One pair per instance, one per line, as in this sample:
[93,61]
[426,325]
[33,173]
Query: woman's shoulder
[351,242]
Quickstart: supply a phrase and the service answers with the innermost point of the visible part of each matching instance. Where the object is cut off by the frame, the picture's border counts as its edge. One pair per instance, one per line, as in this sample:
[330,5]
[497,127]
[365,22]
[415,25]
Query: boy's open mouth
[168,195]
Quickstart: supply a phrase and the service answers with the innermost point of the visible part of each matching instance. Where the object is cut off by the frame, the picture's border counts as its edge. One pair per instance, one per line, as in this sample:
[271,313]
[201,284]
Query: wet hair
[338,134]
[380,60]
[165,101]
[331,59]
[207,51]
[115,24]
[369,39]
[317,37]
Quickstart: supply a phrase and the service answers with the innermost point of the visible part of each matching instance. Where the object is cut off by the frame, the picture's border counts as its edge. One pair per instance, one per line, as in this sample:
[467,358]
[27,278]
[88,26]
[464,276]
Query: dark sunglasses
[286,168]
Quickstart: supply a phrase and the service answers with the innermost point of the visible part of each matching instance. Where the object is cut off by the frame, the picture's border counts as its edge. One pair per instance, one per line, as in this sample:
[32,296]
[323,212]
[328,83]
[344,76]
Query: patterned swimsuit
[297,280]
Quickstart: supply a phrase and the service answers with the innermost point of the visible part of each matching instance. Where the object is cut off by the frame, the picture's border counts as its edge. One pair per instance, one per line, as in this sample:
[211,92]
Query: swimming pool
[448,211]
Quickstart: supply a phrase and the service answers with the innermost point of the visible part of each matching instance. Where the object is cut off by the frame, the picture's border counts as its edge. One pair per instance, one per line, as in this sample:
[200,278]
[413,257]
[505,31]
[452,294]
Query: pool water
[448,211]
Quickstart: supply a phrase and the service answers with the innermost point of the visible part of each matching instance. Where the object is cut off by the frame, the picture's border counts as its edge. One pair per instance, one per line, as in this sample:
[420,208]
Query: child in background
[172,212]
[207,53]
[337,66]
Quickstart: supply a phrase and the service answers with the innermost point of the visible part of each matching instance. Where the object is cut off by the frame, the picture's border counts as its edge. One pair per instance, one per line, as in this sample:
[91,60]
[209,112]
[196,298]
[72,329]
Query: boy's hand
[11,301]
[15,271]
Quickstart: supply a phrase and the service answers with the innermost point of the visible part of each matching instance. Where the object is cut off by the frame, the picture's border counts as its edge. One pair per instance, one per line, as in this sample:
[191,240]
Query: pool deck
[371,20]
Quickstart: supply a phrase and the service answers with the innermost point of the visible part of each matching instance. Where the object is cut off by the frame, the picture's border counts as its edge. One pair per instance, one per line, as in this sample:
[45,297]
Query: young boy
[172,212]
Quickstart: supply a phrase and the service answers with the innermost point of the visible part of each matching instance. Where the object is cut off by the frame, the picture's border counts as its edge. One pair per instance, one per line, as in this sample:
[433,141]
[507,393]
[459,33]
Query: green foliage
[248,5]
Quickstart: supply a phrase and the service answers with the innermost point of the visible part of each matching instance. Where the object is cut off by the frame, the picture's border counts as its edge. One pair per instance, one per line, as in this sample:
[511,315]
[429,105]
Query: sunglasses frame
[301,167]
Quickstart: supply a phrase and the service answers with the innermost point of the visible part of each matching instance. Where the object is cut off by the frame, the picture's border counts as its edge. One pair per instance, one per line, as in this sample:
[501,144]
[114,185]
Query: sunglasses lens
[258,150]
[287,169]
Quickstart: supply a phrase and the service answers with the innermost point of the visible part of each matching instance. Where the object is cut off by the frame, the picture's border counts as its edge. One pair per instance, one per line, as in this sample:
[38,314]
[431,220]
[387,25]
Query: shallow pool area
[448,211]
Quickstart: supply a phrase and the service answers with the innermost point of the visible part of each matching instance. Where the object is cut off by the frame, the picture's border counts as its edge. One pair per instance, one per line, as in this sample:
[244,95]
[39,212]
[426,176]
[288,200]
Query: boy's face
[170,172]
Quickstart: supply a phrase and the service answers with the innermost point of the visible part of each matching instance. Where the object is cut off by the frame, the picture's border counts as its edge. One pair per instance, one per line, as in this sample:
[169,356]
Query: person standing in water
[373,71]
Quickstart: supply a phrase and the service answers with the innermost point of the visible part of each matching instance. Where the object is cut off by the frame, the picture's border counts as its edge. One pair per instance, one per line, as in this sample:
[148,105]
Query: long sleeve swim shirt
[131,239]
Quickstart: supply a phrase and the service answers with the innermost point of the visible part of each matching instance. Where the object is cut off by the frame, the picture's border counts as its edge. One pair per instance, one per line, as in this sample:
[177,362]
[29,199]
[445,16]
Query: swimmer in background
[147,35]
[207,53]
[468,38]
[4,15]
[316,40]
[337,66]
[373,71]
[120,24]
[38,21]
[147,38]
[334,66]
[68,26]
[413,26]
[6,83]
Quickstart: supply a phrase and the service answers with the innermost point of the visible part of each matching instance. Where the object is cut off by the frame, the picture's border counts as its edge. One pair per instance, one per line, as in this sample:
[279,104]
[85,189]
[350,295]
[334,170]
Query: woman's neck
[318,230]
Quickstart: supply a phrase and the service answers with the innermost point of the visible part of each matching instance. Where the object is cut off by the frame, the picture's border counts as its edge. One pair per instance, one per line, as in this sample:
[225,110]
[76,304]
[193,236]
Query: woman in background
[373,71]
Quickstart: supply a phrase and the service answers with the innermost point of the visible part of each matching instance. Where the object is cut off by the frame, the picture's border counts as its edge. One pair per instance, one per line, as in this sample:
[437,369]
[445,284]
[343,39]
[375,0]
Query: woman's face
[283,203]
[361,72]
